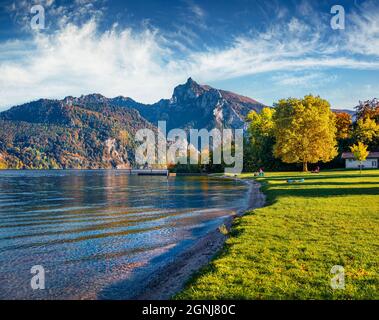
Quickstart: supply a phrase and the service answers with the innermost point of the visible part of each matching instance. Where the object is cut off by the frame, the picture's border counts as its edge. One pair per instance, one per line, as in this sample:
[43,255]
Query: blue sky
[266,50]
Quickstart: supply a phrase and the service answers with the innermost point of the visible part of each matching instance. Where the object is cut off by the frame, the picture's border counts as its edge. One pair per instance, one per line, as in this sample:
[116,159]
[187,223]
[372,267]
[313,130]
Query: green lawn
[287,249]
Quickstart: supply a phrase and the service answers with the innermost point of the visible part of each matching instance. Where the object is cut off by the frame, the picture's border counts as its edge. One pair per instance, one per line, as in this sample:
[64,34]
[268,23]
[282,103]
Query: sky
[263,49]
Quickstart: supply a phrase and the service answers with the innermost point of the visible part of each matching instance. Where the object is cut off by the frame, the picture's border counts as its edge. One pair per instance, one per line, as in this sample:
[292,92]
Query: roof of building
[350,155]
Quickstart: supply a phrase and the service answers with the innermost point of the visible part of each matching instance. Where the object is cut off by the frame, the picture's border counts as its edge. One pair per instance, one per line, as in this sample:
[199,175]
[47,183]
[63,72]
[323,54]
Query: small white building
[371,161]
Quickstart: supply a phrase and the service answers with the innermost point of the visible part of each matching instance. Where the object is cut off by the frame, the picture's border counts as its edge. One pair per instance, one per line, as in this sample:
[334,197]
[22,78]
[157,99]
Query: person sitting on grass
[317,170]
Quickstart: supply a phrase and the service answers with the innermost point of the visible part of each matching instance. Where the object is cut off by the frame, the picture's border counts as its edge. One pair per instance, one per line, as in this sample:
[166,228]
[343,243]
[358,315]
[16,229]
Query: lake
[90,229]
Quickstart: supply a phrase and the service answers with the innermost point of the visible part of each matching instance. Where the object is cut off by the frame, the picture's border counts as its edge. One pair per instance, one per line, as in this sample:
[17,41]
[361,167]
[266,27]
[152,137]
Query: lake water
[91,229]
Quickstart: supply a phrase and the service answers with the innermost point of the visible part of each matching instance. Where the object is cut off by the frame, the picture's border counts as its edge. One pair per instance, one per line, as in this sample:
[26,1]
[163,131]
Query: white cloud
[79,59]
[197,11]
[307,80]
[56,14]
[363,30]
[296,26]
[305,8]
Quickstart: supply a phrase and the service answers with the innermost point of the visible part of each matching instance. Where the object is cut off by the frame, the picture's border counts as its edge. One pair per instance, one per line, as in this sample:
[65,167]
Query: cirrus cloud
[78,58]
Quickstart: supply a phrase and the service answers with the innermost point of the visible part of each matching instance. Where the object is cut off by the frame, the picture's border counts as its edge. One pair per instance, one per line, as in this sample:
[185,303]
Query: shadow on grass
[316,183]
[320,176]
[324,192]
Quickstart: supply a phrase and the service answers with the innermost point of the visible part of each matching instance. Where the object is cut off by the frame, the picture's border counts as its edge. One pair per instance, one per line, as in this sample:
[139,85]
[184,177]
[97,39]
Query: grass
[287,249]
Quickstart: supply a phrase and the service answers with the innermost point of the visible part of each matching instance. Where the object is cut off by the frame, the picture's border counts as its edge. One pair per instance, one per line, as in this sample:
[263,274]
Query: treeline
[296,133]
[299,132]
[303,134]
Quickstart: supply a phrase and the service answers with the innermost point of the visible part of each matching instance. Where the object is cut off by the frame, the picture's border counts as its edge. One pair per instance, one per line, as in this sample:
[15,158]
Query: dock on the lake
[149,172]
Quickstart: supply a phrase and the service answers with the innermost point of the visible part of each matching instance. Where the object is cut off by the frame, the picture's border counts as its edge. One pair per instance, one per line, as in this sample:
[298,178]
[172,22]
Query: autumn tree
[360,153]
[368,109]
[3,164]
[123,137]
[305,131]
[366,130]
[344,135]
[344,125]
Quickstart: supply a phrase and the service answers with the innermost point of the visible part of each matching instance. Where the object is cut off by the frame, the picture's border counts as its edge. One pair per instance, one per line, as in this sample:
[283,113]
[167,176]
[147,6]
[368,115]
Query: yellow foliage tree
[305,131]
[366,130]
[123,136]
[3,164]
[360,153]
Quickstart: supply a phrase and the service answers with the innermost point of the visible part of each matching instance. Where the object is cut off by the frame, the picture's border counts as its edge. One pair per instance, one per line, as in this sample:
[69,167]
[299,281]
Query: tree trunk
[305,166]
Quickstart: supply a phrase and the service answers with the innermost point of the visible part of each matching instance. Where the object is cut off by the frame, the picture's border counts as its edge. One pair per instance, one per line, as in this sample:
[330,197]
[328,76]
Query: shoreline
[171,279]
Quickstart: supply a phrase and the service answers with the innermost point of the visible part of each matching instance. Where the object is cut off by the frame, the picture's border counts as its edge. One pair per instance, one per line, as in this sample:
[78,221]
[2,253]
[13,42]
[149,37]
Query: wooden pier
[149,172]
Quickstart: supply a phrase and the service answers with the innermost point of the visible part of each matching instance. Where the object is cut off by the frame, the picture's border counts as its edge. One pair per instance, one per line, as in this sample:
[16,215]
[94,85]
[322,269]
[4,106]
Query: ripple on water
[90,228]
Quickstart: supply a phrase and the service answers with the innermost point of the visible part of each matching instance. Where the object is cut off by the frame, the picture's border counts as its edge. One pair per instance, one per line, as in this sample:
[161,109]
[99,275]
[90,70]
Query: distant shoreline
[183,174]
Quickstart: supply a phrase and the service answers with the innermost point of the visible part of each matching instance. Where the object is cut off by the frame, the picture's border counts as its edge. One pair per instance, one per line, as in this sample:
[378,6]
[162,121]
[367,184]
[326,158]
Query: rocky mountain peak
[188,91]
[194,105]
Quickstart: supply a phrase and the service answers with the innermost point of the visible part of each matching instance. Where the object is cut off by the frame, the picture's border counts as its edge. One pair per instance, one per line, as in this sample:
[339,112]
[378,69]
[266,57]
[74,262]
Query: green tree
[261,139]
[360,153]
[305,131]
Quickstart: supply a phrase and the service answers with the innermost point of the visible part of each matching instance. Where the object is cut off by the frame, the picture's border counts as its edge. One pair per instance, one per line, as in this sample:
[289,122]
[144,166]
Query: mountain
[348,111]
[48,134]
[191,106]
[197,106]
[93,131]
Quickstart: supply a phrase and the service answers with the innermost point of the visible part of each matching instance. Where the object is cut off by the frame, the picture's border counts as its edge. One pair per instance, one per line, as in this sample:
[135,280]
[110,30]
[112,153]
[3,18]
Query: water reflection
[89,228]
